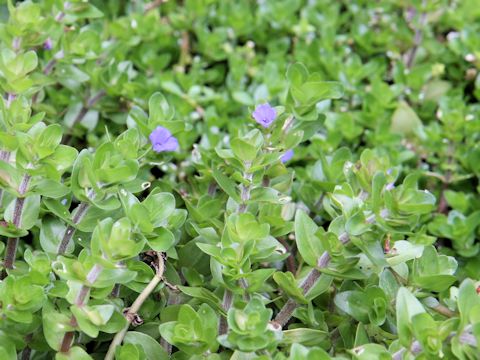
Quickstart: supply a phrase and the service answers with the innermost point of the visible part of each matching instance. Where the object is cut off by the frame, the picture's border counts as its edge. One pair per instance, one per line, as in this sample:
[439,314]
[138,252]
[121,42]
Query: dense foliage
[212,179]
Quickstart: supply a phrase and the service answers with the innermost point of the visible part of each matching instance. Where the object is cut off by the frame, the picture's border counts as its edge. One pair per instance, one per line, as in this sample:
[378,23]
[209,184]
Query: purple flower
[47,45]
[162,140]
[264,115]
[287,156]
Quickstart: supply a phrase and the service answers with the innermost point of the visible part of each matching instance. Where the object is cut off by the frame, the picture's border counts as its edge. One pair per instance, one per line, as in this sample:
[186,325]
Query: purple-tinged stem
[287,310]
[70,231]
[83,111]
[212,188]
[245,196]
[16,43]
[153,5]
[27,351]
[12,243]
[48,69]
[115,291]
[53,61]
[245,189]
[80,301]
[10,98]
[417,40]
[226,304]
[4,155]
[10,254]
[61,14]
[173,299]
[85,289]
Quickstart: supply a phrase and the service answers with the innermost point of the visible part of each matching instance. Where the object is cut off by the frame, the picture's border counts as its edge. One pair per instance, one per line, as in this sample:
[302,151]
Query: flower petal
[264,115]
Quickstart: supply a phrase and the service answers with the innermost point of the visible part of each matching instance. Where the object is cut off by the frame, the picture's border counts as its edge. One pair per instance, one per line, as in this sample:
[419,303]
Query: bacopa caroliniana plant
[236,180]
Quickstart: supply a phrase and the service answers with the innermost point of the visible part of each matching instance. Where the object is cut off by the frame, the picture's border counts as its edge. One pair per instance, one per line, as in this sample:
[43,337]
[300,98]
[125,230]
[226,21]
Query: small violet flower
[264,115]
[162,140]
[48,44]
[287,156]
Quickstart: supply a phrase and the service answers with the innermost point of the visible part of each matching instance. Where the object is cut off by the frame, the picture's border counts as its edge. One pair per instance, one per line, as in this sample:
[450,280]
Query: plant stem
[10,254]
[26,353]
[397,277]
[443,310]
[115,291]
[4,155]
[226,304]
[287,124]
[48,69]
[417,40]
[68,337]
[80,301]
[442,203]
[53,61]
[153,5]
[95,98]
[10,98]
[245,195]
[173,299]
[131,313]
[212,188]
[83,111]
[290,262]
[287,310]
[70,230]
[184,50]
[16,43]
[12,243]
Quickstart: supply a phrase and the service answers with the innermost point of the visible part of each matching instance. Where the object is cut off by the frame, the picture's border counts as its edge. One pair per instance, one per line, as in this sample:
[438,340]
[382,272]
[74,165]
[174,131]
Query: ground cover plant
[208,179]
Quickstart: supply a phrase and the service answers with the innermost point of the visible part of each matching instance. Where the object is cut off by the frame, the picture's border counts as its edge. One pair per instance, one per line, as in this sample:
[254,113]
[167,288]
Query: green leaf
[406,122]
[371,351]
[151,347]
[415,201]
[300,352]
[29,212]
[52,231]
[49,188]
[160,109]
[160,205]
[308,244]
[128,352]
[354,303]
[75,353]
[204,295]
[297,74]
[288,284]
[48,140]
[468,301]
[357,224]
[163,241]
[243,150]
[403,251]
[226,184]
[407,307]
[7,347]
[308,337]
